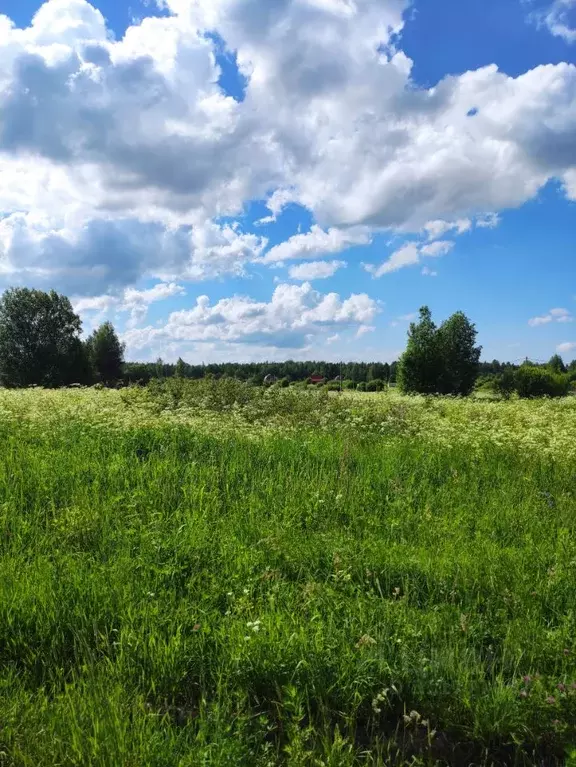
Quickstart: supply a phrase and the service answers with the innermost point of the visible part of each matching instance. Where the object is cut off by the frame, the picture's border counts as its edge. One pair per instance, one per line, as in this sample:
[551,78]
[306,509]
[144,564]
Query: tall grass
[334,596]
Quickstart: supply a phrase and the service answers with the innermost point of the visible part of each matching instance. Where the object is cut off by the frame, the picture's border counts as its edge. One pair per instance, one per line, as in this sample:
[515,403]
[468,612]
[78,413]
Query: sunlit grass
[329,581]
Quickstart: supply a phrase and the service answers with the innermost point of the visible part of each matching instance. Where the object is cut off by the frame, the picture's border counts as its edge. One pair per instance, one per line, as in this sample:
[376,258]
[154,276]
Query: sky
[271,179]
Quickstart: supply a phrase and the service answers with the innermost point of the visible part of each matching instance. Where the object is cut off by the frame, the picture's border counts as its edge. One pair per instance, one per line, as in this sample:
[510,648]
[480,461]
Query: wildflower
[365,641]
[527,679]
[523,694]
[566,651]
[551,700]
[196,627]
[562,687]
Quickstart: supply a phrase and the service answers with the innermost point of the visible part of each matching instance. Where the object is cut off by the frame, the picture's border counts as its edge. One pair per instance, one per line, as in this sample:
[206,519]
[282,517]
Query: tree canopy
[442,360]
[106,354]
[39,340]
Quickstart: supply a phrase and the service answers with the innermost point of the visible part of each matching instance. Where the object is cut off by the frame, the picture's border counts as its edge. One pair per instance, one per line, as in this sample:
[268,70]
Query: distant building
[270,379]
[317,379]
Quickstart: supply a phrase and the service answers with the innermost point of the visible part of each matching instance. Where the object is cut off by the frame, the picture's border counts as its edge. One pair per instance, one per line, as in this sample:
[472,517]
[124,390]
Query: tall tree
[106,354]
[441,360]
[418,368]
[459,355]
[556,364]
[39,339]
[180,369]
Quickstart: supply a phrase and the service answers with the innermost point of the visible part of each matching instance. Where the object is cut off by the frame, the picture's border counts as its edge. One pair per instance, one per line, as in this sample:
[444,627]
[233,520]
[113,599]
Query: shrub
[505,384]
[375,385]
[531,381]
[349,385]
[361,386]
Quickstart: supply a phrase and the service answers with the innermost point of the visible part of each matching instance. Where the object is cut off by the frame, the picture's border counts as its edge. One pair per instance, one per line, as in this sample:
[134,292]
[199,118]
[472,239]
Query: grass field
[208,576]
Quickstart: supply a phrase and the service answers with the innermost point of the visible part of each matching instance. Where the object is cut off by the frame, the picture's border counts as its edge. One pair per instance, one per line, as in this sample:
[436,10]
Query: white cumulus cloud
[120,159]
[294,315]
[315,243]
[315,270]
[554,315]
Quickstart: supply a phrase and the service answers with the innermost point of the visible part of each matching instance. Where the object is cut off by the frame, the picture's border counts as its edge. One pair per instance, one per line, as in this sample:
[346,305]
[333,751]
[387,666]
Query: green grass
[178,591]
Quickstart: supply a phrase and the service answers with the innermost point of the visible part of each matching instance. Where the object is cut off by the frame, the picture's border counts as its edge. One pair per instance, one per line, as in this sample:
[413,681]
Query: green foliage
[361,386]
[556,364]
[39,340]
[459,356]
[419,367]
[375,385]
[180,369]
[505,384]
[440,360]
[106,354]
[176,592]
[532,381]
[348,385]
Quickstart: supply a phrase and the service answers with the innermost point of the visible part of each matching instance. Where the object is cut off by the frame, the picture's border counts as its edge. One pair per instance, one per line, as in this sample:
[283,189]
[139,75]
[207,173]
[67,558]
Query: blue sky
[248,179]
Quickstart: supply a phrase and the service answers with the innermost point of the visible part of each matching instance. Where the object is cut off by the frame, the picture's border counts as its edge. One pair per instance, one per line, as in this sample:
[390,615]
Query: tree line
[41,344]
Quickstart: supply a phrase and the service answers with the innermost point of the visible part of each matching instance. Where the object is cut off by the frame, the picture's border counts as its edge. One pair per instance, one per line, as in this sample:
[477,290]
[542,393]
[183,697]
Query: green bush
[375,385]
[505,384]
[349,385]
[531,381]
[361,386]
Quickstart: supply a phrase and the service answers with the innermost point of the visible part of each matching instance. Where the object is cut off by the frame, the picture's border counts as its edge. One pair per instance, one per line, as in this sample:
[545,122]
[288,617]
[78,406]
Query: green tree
[418,369]
[39,339]
[180,370]
[106,354]
[441,360]
[556,364]
[459,357]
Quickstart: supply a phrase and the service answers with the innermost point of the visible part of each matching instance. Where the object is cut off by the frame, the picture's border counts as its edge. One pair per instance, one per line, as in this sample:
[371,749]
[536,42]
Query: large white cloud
[295,315]
[118,158]
[106,254]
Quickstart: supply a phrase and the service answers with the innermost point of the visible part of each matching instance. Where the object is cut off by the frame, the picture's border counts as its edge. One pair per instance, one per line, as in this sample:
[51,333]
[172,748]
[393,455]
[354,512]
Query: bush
[505,384]
[361,386]
[349,385]
[284,383]
[375,385]
[531,381]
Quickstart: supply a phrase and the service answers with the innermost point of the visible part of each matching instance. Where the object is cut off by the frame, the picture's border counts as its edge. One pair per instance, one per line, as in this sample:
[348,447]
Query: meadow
[212,574]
